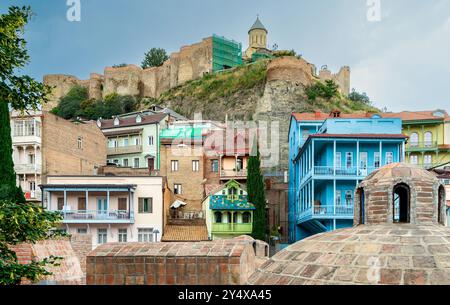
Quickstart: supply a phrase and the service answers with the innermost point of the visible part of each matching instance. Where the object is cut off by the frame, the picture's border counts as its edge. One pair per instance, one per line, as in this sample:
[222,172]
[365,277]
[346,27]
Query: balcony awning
[79,187]
[177,204]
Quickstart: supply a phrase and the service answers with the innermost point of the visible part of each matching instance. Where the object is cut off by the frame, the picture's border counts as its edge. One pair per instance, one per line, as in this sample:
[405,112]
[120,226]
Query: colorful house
[133,139]
[228,212]
[329,156]
[429,137]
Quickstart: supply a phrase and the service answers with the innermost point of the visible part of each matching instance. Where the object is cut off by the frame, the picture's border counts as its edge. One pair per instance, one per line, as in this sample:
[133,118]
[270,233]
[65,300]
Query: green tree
[154,58]
[326,90]
[359,97]
[69,106]
[256,195]
[19,221]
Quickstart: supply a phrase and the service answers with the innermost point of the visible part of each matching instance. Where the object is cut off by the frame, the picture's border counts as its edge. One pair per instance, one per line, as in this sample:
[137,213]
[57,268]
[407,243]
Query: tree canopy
[154,58]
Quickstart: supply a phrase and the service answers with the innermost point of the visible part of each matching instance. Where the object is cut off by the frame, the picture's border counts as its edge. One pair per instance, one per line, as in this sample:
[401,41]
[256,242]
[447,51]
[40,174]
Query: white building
[117,209]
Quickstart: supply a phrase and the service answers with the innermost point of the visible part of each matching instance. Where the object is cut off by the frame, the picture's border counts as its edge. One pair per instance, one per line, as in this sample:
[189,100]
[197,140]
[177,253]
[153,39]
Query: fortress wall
[61,85]
[342,78]
[290,68]
[122,80]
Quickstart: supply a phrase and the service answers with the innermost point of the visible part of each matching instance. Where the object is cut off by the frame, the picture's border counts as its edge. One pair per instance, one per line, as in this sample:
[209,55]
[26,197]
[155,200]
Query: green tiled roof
[224,202]
[181,133]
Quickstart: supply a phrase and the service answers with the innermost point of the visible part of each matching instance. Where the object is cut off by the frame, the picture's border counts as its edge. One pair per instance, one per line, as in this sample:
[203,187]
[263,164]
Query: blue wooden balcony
[97,216]
[352,171]
[326,212]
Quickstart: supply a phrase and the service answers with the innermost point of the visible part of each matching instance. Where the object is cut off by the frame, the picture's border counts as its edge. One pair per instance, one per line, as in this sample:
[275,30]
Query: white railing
[27,168]
[343,171]
[234,173]
[93,215]
[328,211]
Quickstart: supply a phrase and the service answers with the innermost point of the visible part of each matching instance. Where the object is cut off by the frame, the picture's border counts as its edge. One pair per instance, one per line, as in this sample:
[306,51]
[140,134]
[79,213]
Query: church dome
[257,26]
[398,238]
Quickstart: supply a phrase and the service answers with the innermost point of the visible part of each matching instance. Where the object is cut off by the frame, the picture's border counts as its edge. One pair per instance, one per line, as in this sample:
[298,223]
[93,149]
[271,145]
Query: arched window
[414,159]
[218,217]
[428,139]
[414,139]
[246,217]
[360,192]
[401,203]
[441,205]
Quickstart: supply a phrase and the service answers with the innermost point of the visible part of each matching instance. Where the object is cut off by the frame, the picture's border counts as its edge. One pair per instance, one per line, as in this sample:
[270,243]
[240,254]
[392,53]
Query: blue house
[329,156]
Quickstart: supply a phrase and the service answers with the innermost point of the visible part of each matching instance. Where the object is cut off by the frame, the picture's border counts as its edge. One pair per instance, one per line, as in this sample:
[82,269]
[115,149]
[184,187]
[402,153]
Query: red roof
[321,116]
[416,115]
[131,121]
[360,135]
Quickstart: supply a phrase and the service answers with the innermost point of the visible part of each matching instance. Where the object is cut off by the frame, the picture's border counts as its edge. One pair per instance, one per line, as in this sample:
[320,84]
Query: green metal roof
[257,26]
[181,133]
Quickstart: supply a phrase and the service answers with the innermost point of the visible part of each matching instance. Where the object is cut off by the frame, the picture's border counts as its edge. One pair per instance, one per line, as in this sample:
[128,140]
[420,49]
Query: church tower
[257,38]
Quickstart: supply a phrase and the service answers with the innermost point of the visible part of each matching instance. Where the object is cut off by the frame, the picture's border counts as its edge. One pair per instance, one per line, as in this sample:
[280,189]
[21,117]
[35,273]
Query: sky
[401,59]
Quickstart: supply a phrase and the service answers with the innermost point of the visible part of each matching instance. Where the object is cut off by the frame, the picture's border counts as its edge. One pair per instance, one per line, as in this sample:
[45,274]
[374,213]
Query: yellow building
[429,137]
[257,38]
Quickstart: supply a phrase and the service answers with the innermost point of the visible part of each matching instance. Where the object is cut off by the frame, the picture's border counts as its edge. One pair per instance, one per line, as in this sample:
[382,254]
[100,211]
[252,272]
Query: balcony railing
[419,146]
[174,214]
[122,150]
[233,173]
[342,171]
[32,195]
[327,211]
[97,216]
[27,168]
[232,228]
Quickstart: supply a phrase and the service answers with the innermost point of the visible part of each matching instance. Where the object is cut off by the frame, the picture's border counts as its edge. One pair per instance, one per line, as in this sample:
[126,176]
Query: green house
[228,212]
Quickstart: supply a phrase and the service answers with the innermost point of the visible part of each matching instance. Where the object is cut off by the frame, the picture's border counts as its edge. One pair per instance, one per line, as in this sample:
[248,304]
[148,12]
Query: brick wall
[81,245]
[60,152]
[222,262]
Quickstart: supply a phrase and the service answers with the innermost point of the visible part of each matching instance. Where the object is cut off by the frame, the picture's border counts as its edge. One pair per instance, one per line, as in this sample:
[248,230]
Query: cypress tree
[256,195]
[7,174]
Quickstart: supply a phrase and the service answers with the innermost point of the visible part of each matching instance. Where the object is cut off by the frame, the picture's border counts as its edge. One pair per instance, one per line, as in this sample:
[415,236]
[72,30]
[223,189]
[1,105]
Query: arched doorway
[401,203]
[441,205]
[360,193]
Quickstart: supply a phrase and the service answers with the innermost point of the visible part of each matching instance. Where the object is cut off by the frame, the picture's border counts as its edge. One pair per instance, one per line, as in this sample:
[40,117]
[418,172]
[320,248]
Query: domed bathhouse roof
[257,25]
[398,238]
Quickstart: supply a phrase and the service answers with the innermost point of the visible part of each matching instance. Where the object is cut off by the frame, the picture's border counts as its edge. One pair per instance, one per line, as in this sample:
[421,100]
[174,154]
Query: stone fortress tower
[257,38]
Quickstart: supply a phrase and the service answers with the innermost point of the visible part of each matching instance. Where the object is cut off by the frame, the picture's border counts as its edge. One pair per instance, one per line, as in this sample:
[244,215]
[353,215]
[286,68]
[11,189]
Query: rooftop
[174,233]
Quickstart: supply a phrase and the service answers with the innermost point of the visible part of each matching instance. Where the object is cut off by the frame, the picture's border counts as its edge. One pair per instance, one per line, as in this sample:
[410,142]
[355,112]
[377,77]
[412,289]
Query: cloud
[410,74]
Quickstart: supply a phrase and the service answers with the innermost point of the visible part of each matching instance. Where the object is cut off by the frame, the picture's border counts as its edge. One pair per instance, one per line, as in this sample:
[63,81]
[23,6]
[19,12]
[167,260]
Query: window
[138,119]
[414,139]
[305,135]
[177,189]
[349,159]
[31,159]
[376,159]
[80,143]
[82,231]
[122,235]
[338,197]
[125,162]
[122,204]
[150,140]
[338,160]
[239,164]
[195,165]
[428,160]
[428,139]
[136,162]
[32,185]
[218,217]
[125,142]
[145,235]
[82,204]
[174,165]
[215,166]
[414,159]
[389,157]
[18,128]
[246,217]
[113,143]
[116,122]
[60,203]
[145,205]
[102,236]
[348,198]
[137,141]
[116,161]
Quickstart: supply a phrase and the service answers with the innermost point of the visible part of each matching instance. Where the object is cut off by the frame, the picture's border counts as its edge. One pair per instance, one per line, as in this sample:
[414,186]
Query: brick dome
[398,238]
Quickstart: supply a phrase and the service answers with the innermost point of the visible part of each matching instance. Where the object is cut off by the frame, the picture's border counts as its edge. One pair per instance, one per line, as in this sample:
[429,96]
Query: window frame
[145,205]
[174,165]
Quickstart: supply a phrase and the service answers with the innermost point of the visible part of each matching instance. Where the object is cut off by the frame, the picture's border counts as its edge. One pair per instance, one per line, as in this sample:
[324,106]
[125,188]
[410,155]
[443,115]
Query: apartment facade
[328,158]
[110,208]
[133,139]
[228,212]
[45,144]
[429,137]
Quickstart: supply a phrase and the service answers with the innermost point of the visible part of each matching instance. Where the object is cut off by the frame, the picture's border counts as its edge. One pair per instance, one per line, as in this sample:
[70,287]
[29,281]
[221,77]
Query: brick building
[45,144]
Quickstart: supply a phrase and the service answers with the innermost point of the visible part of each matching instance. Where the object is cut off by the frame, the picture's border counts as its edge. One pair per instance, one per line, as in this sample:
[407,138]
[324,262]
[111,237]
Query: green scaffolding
[226,53]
